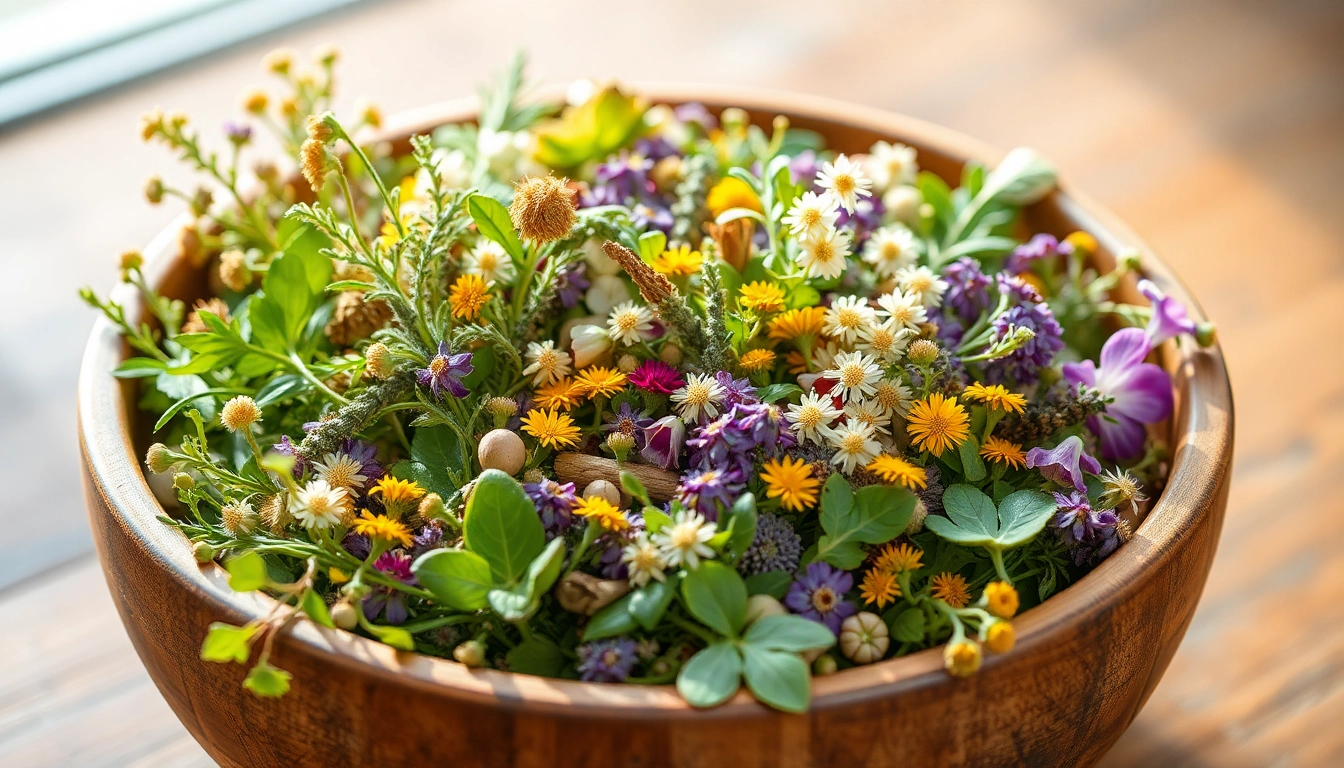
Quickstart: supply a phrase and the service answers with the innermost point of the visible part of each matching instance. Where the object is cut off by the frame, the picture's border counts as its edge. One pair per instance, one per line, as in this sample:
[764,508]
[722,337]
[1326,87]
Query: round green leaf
[501,525]
[716,595]
[458,578]
[789,633]
[711,677]
[777,678]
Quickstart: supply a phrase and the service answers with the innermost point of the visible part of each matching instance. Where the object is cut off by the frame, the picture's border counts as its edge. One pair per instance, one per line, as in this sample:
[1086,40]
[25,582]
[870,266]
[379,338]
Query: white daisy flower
[823,355]
[891,165]
[893,397]
[588,342]
[844,178]
[685,541]
[630,323]
[890,249]
[810,415]
[318,505]
[885,341]
[854,445]
[702,394]
[869,412]
[857,375]
[812,215]
[545,363]
[903,309]
[489,260]
[824,256]
[643,560]
[922,282]
[847,317]
[340,471]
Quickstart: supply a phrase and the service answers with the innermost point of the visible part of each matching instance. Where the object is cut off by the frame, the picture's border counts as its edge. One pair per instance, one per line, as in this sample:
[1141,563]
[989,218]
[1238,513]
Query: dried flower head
[319,128]
[159,459]
[215,306]
[233,271]
[279,61]
[378,360]
[652,286]
[154,189]
[238,518]
[254,100]
[239,413]
[314,161]
[543,208]
[922,352]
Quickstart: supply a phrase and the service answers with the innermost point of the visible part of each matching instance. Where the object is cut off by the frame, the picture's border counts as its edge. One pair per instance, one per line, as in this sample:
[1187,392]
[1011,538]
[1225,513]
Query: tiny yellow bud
[1082,242]
[1000,637]
[378,360]
[239,413]
[154,190]
[159,459]
[1206,334]
[370,114]
[326,54]
[922,352]
[962,658]
[431,506]
[825,665]
[279,61]
[1001,599]
[319,128]
[254,100]
[337,575]
[183,482]
[129,260]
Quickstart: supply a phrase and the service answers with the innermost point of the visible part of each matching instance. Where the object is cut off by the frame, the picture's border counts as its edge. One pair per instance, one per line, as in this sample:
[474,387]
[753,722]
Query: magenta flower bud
[663,441]
[1169,316]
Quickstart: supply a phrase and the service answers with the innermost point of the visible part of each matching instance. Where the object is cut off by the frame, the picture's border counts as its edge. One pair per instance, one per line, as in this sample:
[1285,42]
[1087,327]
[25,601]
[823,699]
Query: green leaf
[589,131]
[742,524]
[789,633]
[438,452]
[313,605]
[876,514]
[650,602]
[394,636]
[536,656]
[518,603]
[972,519]
[139,368]
[937,194]
[716,595]
[655,520]
[837,497]
[611,621]
[178,406]
[652,244]
[712,676]
[775,392]
[971,463]
[247,572]
[268,681]
[492,220]
[1022,515]
[281,388]
[907,626]
[772,583]
[777,678]
[294,286]
[501,525]
[458,578]
[225,643]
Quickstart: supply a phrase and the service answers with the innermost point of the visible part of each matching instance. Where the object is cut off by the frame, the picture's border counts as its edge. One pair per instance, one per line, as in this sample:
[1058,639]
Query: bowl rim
[112,465]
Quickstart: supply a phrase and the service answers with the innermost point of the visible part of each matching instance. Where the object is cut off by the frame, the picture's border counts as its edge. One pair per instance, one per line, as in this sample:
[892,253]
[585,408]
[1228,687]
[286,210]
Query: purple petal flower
[1065,463]
[705,490]
[654,148]
[803,169]
[652,215]
[555,504]
[1169,316]
[1038,247]
[286,447]
[819,595]
[968,288]
[238,133]
[607,661]
[389,602]
[445,372]
[571,284]
[1140,393]
[736,391]
[630,422]
[1089,533]
[366,454]
[695,113]
[663,442]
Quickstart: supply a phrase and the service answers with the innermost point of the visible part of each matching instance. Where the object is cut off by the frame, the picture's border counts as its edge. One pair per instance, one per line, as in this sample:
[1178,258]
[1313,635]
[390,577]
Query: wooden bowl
[1086,660]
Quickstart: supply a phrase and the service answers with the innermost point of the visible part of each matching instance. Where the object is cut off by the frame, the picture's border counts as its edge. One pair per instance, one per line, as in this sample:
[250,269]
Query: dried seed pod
[864,638]
[502,449]
[585,594]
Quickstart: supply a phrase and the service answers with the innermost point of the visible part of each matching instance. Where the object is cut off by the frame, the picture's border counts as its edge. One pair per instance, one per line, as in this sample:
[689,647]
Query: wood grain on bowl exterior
[1085,662]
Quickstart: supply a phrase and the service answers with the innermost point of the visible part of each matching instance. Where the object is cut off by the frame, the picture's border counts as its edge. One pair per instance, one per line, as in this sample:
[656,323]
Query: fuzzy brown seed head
[233,271]
[652,286]
[355,318]
[274,512]
[313,163]
[922,352]
[238,518]
[319,129]
[239,413]
[214,305]
[542,209]
[670,354]
[200,202]
[154,190]
[254,100]
[266,170]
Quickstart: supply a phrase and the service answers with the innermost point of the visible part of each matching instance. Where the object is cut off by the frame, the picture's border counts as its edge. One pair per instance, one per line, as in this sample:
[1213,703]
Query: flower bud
[962,658]
[159,459]
[239,413]
[255,100]
[343,615]
[664,441]
[470,653]
[431,507]
[314,163]
[203,552]
[378,360]
[1206,334]
[533,476]
[279,61]
[326,54]
[922,352]
[502,408]
[864,638]
[183,482]
[320,128]
[542,209]
[627,363]
[1130,261]
[200,202]
[238,518]
[150,124]
[154,190]
[1082,242]
[1001,599]
[825,665]
[1000,637]
[233,271]
[620,444]
[370,114]
[129,261]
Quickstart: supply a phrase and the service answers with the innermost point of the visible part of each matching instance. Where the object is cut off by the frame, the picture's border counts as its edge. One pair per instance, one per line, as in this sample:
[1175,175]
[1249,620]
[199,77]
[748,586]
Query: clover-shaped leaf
[973,520]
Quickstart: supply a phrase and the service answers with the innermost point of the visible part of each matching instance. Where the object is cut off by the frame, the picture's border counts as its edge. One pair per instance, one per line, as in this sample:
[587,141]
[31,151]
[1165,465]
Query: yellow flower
[796,362]
[1082,241]
[937,424]
[962,658]
[600,382]
[791,481]
[398,495]
[384,528]
[467,296]
[761,296]
[952,589]
[997,397]
[602,512]
[899,558]
[894,469]
[561,394]
[678,262]
[1001,599]
[879,587]
[757,360]
[1000,637]
[731,192]
[798,323]
[1004,452]
[551,429]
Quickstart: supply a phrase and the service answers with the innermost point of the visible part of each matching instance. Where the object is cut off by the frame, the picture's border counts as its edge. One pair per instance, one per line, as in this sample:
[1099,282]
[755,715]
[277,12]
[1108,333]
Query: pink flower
[1065,463]
[1140,393]
[657,377]
[664,441]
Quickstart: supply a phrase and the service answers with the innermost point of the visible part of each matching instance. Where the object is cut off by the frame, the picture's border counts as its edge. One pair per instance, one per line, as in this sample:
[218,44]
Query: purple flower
[776,547]
[867,216]
[819,595]
[968,288]
[1169,316]
[445,371]
[356,544]
[803,169]
[286,447]
[607,661]
[555,504]
[766,425]
[657,377]
[366,454]
[428,537]
[649,216]
[736,391]
[629,422]
[620,180]
[1038,247]
[695,113]
[1090,533]
[1140,393]
[663,441]
[571,284]
[238,133]
[705,490]
[1065,463]
[654,148]
[1023,364]
[390,602]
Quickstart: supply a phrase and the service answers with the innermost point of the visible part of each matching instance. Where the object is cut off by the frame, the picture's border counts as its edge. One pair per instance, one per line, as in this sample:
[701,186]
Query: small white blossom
[644,560]
[340,471]
[605,292]
[893,397]
[890,249]
[545,363]
[857,375]
[686,541]
[854,445]
[865,411]
[702,394]
[318,505]
[844,178]
[824,255]
[630,323]
[588,342]
[489,260]
[922,282]
[885,341]
[904,309]
[891,165]
[810,415]
[847,317]
[812,215]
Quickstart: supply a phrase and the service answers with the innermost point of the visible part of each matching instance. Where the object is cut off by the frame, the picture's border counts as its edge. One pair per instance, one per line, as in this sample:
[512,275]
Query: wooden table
[1213,128]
